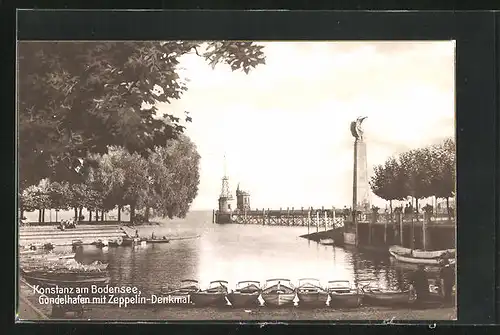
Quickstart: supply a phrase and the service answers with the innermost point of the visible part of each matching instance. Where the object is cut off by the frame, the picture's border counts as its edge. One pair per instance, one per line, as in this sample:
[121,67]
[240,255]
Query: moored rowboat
[311,293]
[278,292]
[214,295]
[182,294]
[246,294]
[380,297]
[420,257]
[327,241]
[342,294]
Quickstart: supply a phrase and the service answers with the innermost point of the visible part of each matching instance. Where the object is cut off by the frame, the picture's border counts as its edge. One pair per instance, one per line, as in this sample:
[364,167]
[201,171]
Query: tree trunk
[80,213]
[416,208]
[43,214]
[119,213]
[76,214]
[96,215]
[146,213]
[102,215]
[132,213]
[448,208]
[39,215]
[90,215]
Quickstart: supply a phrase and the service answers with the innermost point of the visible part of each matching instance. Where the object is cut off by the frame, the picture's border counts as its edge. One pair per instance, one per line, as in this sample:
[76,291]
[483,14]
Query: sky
[284,127]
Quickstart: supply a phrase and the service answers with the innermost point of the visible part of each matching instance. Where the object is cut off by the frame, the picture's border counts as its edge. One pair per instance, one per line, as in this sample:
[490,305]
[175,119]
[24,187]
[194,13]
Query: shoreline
[28,306]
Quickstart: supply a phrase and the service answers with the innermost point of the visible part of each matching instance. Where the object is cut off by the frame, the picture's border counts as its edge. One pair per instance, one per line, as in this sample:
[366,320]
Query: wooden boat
[116,242]
[451,253]
[129,241]
[327,241]
[246,293]
[375,296]
[214,295]
[100,243]
[65,279]
[342,295]
[311,293]
[182,294]
[158,240]
[278,292]
[420,257]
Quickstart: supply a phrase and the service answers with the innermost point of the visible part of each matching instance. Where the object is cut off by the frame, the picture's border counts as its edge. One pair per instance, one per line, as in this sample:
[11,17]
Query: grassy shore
[30,309]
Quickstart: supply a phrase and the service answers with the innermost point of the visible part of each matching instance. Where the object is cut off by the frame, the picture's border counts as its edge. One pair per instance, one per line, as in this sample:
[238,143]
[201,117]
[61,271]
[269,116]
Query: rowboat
[381,297]
[116,242]
[214,295]
[158,240]
[342,294]
[65,279]
[278,292]
[451,253]
[66,282]
[129,241]
[406,255]
[182,294]
[311,293]
[246,293]
[100,243]
[327,241]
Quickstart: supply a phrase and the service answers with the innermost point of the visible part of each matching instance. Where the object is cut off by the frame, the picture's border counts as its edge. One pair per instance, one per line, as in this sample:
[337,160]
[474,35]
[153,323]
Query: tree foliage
[418,173]
[79,98]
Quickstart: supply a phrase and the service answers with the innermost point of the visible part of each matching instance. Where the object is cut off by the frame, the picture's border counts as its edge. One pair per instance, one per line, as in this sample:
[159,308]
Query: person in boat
[420,283]
[136,233]
[447,278]
[153,235]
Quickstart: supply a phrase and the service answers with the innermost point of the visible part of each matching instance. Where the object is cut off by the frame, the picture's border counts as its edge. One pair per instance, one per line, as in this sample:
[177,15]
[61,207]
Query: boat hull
[316,299]
[157,241]
[243,299]
[345,300]
[414,260]
[388,299]
[278,299]
[202,299]
[420,253]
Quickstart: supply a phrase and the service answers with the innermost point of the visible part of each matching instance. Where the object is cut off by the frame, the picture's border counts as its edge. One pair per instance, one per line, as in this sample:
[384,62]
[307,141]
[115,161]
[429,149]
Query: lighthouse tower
[225,195]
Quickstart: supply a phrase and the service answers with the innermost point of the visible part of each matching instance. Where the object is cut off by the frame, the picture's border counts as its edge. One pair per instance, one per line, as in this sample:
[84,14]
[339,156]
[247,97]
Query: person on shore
[447,278]
[153,235]
[137,233]
[420,283]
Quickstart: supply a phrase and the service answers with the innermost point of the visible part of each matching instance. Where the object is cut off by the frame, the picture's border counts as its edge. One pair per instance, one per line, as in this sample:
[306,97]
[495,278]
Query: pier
[310,217]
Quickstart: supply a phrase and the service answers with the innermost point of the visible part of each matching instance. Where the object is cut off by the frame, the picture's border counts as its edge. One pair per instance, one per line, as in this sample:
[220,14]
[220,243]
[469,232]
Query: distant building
[242,200]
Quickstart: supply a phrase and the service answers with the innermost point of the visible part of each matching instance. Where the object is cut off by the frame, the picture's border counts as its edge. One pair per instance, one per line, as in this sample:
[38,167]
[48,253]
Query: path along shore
[29,309]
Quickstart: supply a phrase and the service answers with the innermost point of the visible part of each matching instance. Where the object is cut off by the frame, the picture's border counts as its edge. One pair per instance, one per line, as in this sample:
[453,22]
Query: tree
[174,169]
[36,197]
[77,98]
[388,182]
[445,173]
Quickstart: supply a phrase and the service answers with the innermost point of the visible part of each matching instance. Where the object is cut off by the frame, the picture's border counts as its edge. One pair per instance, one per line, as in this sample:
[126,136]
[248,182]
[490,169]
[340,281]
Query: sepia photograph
[236,180]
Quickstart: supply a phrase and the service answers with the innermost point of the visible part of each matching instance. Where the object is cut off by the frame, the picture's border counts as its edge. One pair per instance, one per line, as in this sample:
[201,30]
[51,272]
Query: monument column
[360,185]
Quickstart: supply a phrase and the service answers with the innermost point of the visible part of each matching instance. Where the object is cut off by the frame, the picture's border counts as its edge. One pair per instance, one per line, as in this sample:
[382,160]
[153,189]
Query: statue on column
[356,129]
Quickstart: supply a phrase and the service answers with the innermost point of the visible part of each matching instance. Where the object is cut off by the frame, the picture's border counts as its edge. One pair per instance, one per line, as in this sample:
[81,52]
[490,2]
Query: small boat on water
[376,296]
[130,241]
[158,240]
[246,293]
[311,293]
[342,294]
[327,241]
[406,255]
[116,242]
[100,243]
[214,295]
[65,279]
[278,292]
[182,294]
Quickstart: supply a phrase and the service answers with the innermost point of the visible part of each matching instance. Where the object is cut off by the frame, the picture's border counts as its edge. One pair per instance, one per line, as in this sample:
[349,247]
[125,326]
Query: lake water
[243,252]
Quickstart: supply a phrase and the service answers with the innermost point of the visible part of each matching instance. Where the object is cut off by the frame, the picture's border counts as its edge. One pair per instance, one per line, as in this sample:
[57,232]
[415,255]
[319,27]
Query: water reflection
[244,252]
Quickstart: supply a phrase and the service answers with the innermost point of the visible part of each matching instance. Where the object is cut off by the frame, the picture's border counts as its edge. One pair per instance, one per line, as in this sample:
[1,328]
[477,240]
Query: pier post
[288,216]
[333,217]
[399,220]
[213,216]
[263,216]
[326,220]
[308,220]
[317,221]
